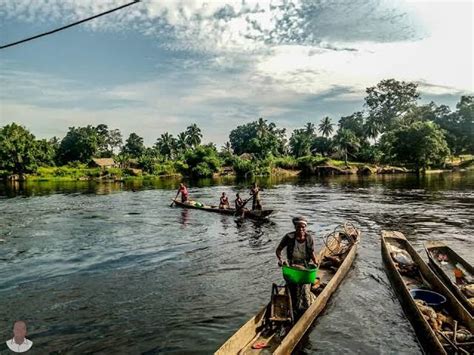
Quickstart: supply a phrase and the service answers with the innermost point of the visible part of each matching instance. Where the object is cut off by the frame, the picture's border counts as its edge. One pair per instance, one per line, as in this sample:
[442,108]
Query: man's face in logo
[19,330]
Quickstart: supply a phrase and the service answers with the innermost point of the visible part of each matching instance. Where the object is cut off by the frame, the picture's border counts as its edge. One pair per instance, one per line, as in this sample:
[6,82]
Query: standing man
[255,193]
[184,193]
[19,343]
[299,245]
[299,252]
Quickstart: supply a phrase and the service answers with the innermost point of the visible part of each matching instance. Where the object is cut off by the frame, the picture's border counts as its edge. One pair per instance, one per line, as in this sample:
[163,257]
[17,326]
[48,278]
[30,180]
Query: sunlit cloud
[234,61]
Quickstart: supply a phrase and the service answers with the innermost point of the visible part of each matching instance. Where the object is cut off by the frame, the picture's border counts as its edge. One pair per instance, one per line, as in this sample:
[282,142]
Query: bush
[287,162]
[369,154]
[115,172]
[147,163]
[181,167]
[246,168]
[94,172]
[166,168]
[202,162]
[308,164]
[243,167]
[61,171]
[76,165]
[202,170]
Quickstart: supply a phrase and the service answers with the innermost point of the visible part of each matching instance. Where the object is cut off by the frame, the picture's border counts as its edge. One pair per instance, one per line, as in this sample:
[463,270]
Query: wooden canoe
[445,270]
[256,214]
[251,332]
[425,278]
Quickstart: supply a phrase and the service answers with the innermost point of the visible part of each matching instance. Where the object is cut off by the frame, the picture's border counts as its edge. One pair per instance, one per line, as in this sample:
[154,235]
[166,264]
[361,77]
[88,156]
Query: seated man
[239,206]
[224,202]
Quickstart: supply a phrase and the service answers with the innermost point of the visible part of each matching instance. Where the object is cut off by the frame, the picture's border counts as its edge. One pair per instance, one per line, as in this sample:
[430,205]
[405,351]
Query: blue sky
[160,66]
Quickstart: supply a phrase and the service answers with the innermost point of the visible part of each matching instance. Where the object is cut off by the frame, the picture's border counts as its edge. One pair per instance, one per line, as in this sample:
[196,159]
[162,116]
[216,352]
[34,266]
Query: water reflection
[184,217]
[430,182]
[103,267]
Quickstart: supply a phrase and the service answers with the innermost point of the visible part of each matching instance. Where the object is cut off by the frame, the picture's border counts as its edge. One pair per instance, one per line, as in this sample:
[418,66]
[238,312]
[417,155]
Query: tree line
[392,128]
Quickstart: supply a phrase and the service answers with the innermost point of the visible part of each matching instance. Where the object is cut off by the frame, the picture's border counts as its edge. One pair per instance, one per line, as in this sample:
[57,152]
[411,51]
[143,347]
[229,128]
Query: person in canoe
[224,201]
[255,193]
[184,193]
[300,253]
[240,205]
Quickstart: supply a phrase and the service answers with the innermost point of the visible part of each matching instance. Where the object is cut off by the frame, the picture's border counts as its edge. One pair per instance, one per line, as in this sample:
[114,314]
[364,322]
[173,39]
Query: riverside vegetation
[391,130]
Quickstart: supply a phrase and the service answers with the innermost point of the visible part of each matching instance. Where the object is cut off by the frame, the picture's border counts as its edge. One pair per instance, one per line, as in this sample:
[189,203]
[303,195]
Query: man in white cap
[299,245]
[299,252]
[19,343]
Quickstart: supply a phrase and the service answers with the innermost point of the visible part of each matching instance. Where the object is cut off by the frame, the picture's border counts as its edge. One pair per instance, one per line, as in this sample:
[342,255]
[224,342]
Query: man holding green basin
[299,245]
[300,253]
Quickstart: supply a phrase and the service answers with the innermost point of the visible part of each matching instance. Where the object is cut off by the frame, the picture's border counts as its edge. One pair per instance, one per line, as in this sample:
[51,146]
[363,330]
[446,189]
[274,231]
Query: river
[111,268]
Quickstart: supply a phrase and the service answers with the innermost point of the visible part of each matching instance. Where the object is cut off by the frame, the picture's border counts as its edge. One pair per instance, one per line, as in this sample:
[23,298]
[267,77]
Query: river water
[111,268]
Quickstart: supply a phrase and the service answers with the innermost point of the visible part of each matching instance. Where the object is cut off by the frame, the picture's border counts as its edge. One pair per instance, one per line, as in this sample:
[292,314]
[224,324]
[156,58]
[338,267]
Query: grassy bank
[273,166]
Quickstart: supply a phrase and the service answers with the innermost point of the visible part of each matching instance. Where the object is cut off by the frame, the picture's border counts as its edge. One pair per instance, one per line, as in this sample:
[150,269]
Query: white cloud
[280,53]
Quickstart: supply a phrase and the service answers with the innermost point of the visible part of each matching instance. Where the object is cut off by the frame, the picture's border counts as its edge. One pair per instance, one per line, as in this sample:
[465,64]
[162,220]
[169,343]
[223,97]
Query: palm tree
[194,135]
[325,127]
[371,128]
[227,148]
[165,145]
[300,143]
[344,140]
[262,127]
[182,141]
[310,128]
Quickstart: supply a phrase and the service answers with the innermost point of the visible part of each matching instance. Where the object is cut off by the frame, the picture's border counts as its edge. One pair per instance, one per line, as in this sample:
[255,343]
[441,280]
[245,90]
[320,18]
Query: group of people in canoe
[224,203]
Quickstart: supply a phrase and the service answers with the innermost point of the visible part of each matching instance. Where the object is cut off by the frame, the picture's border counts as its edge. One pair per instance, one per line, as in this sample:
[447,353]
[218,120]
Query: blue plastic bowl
[432,299]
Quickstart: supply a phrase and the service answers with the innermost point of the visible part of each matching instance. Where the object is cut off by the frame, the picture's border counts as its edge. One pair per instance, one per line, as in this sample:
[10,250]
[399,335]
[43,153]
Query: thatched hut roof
[103,162]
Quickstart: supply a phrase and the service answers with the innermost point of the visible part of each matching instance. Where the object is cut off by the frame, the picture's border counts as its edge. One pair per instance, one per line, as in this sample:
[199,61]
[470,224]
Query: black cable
[67,26]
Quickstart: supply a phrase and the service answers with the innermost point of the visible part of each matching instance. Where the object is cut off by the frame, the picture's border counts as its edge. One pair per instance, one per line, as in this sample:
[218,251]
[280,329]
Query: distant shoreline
[120,175]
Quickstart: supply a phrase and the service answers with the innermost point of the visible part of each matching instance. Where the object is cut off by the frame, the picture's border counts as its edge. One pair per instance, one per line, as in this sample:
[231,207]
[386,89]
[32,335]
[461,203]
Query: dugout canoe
[445,270]
[429,338]
[252,333]
[255,214]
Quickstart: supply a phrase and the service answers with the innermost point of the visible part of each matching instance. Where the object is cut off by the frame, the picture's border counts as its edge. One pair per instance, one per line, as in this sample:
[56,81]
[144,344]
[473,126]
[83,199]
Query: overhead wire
[68,26]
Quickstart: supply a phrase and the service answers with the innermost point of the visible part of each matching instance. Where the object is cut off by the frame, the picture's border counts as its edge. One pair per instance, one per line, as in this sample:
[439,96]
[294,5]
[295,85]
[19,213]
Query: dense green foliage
[392,128]
[420,143]
[80,144]
[134,146]
[259,138]
[202,161]
[19,151]
[388,101]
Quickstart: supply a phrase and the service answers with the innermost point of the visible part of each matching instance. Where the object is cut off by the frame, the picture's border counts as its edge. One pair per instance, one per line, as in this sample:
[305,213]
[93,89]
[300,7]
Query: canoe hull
[241,341]
[424,333]
[257,214]
[299,329]
[440,271]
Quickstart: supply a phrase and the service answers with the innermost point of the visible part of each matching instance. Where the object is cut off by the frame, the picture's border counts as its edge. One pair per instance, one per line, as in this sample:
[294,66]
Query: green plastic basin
[300,276]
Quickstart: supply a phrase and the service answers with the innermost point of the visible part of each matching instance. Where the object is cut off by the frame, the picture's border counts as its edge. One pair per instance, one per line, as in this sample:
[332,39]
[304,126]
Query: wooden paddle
[247,200]
[243,205]
[172,203]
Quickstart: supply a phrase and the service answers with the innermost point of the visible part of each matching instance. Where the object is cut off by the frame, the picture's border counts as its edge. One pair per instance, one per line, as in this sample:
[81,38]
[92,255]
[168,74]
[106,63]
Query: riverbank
[307,166]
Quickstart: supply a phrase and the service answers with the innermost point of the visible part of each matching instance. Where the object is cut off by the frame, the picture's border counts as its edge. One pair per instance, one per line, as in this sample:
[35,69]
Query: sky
[160,65]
